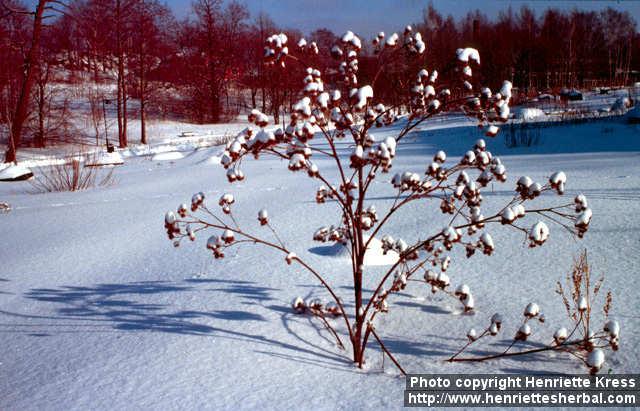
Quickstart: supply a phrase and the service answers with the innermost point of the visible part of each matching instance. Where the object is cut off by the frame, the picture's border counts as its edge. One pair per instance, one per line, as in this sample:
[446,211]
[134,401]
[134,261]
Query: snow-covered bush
[340,108]
[585,341]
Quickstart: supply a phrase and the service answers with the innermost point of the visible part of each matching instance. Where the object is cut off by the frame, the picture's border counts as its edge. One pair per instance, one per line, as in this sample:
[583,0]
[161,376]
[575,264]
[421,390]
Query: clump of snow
[531,114]
[581,202]
[197,200]
[595,360]
[392,41]
[582,221]
[612,327]
[15,172]
[263,217]
[538,234]
[105,159]
[557,181]
[214,160]
[168,156]
[362,95]
[298,305]
[440,157]
[523,332]
[468,53]
[214,243]
[583,305]
[290,258]
[374,256]
[531,310]
[507,216]
[492,130]
[560,335]
[472,335]
[505,90]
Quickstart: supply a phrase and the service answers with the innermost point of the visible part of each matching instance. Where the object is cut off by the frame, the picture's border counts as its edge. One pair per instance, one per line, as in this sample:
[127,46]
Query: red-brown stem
[513,354]
[370,327]
[298,259]
[328,327]
[416,247]
[358,257]
[464,347]
[506,354]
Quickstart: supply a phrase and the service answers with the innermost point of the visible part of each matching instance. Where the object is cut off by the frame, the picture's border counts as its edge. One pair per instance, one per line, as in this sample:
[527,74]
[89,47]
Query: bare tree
[30,65]
[211,49]
[151,45]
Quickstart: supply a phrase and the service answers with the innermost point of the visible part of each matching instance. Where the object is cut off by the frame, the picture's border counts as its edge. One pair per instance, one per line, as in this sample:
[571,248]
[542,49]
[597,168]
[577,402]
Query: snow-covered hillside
[99,311]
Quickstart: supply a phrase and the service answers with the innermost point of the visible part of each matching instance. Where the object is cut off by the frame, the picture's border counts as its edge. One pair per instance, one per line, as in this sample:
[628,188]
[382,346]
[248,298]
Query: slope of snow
[99,311]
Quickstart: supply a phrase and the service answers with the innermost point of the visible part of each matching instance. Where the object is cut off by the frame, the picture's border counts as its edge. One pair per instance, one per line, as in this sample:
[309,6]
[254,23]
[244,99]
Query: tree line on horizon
[136,58]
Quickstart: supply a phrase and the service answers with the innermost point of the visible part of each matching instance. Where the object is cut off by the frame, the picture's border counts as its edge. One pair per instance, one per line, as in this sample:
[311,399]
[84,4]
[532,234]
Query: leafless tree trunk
[42,102]
[30,64]
[143,80]
[121,101]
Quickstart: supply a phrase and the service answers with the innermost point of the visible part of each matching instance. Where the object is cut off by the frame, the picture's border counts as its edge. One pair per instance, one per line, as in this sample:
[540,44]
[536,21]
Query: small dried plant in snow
[71,175]
[584,341]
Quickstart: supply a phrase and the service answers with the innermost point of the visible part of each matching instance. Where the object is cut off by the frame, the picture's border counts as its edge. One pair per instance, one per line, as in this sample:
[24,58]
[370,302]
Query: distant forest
[138,57]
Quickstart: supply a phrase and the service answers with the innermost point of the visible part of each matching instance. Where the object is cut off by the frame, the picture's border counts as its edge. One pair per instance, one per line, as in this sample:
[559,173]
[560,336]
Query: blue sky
[370,16]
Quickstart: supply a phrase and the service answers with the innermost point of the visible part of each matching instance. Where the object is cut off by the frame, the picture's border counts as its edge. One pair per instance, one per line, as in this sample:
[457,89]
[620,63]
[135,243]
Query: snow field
[99,311]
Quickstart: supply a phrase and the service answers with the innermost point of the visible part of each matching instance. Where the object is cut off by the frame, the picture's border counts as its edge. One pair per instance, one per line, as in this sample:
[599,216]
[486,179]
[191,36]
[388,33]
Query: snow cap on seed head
[583,304]
[612,328]
[169,218]
[298,305]
[560,335]
[523,332]
[538,234]
[531,310]
[263,216]
[595,360]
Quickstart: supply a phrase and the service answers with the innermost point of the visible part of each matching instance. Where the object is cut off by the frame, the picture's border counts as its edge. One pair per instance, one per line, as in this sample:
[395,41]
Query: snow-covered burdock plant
[585,341]
[339,107]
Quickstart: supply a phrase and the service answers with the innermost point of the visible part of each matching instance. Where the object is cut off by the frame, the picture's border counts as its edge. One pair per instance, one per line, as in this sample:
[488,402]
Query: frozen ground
[99,311]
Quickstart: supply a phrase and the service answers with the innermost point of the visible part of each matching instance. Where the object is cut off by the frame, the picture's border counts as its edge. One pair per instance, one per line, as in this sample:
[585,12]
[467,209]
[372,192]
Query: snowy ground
[99,311]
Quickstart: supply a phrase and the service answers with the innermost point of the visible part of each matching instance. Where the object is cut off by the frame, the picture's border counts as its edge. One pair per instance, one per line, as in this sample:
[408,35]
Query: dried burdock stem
[588,348]
[562,347]
[469,342]
[328,326]
[347,110]
[526,352]
[375,335]
[281,248]
[275,234]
